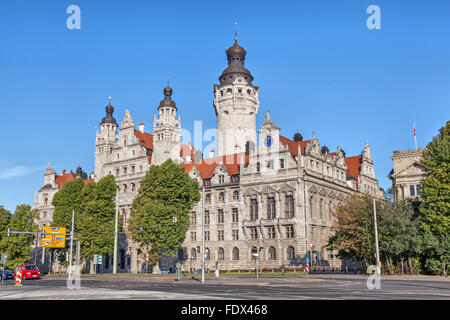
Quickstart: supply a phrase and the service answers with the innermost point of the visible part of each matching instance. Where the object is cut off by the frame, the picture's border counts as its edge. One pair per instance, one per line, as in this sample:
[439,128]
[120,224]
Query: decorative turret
[236,105]
[166,130]
[105,140]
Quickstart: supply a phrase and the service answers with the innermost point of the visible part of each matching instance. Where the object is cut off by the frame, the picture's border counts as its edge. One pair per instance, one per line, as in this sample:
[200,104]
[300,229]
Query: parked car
[29,271]
[7,274]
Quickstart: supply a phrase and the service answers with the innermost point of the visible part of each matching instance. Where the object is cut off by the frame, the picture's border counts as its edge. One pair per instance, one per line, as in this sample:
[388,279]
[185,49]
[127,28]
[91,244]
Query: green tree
[5,218]
[354,231]
[435,207]
[18,246]
[166,191]
[96,221]
[67,199]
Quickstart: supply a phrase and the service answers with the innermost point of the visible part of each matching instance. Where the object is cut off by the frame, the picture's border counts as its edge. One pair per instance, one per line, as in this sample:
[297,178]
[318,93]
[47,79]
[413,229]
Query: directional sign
[54,237]
[98,259]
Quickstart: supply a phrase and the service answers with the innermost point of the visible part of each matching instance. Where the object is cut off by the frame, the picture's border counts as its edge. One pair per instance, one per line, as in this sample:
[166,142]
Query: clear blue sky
[318,66]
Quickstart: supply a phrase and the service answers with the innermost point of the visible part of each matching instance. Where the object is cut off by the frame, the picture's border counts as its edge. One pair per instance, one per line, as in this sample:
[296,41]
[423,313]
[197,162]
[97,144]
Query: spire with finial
[109,99]
[314,135]
[235,32]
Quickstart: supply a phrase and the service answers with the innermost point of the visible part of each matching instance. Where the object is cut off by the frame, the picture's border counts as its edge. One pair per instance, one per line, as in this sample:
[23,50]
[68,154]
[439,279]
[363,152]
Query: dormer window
[221,179]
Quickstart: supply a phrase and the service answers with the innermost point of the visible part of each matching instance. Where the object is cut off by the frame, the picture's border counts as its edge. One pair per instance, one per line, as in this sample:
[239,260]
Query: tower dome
[236,57]
[109,114]
[167,102]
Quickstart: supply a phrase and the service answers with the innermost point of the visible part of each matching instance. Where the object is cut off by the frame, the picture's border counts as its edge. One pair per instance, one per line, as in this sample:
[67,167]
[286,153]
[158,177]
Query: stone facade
[273,198]
[407,174]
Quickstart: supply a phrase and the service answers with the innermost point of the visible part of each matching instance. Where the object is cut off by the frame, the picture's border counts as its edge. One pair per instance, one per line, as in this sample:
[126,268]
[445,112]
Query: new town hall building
[273,198]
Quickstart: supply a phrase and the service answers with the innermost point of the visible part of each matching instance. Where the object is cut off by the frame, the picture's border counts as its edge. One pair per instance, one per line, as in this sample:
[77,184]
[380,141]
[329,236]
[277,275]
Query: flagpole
[415,140]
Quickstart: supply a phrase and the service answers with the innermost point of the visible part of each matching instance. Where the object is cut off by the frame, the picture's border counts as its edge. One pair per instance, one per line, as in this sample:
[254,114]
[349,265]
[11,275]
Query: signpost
[3,260]
[53,237]
[97,259]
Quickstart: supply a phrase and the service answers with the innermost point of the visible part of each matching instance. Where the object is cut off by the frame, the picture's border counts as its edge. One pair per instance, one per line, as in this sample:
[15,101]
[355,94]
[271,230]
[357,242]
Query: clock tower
[236,104]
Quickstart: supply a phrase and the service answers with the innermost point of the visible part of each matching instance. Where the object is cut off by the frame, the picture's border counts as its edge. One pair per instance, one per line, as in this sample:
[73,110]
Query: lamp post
[376,237]
[115,232]
[203,234]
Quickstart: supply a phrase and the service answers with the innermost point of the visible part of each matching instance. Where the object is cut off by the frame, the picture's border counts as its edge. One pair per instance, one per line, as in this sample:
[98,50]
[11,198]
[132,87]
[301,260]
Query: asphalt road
[335,287]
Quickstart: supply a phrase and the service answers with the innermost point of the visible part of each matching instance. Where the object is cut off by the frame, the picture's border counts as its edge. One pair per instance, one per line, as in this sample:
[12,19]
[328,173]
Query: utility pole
[71,246]
[116,233]
[376,237]
[203,234]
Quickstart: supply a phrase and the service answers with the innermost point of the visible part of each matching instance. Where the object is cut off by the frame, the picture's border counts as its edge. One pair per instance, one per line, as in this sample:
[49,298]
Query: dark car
[7,274]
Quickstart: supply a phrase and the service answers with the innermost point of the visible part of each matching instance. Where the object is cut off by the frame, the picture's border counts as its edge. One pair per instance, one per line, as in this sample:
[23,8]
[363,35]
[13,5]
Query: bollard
[18,278]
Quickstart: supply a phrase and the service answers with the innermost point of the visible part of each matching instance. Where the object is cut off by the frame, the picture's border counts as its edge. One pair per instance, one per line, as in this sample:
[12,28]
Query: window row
[235,254]
[271,211]
[270,232]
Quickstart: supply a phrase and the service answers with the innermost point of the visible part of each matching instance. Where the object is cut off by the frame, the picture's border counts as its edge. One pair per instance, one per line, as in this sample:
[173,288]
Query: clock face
[268,141]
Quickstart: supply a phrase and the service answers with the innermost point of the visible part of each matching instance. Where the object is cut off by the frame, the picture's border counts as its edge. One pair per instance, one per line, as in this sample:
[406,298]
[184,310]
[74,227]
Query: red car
[29,271]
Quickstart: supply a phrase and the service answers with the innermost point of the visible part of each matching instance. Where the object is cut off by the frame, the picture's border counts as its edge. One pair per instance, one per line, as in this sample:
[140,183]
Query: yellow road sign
[55,237]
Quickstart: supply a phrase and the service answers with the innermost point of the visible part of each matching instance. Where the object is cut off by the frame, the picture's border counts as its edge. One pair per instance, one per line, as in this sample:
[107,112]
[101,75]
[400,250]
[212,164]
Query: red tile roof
[61,180]
[145,139]
[293,145]
[353,166]
[206,167]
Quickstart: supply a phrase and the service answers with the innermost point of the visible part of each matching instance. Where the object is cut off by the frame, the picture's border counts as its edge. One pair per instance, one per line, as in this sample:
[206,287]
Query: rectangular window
[418,189]
[235,234]
[235,178]
[271,232]
[220,235]
[207,182]
[221,179]
[290,232]
[253,234]
[193,218]
[412,190]
[220,216]
[124,170]
[193,236]
[253,209]
[258,167]
[282,163]
[206,216]
[271,211]
[235,215]
[132,169]
[206,235]
[289,207]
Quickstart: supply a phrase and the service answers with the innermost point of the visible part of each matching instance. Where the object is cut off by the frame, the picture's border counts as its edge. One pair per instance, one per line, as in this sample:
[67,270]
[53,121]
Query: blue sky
[318,66]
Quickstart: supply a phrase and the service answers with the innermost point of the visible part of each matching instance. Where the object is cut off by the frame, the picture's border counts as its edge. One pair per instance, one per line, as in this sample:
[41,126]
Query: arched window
[208,197]
[272,253]
[235,253]
[193,254]
[290,253]
[220,254]
[236,195]
[124,188]
[133,187]
[222,196]
[207,254]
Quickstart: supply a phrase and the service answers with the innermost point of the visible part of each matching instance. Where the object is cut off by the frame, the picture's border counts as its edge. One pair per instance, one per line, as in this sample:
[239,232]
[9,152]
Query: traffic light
[8,232]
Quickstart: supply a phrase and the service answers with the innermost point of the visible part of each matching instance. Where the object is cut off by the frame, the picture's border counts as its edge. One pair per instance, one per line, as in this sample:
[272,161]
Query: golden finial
[168,81]
[235,32]
[109,98]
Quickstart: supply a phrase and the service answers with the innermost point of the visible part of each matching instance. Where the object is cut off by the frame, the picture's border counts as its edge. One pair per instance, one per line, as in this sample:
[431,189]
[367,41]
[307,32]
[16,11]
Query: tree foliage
[435,208]
[17,246]
[94,206]
[165,192]
[96,221]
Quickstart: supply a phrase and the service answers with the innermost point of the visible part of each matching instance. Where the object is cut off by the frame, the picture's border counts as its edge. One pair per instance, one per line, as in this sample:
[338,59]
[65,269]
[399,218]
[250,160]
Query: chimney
[211,153]
[141,127]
